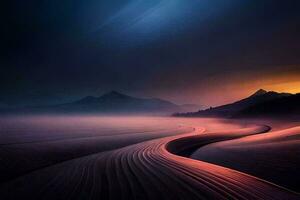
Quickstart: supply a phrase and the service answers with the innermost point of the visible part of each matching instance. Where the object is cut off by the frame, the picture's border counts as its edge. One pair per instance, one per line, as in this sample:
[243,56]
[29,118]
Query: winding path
[154,169]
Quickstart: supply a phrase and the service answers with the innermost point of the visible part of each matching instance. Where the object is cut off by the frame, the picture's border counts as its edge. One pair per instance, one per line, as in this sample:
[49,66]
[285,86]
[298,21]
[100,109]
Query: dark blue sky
[182,50]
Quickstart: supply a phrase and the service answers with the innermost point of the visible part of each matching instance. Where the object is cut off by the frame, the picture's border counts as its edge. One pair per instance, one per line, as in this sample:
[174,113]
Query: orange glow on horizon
[237,87]
[219,89]
[289,87]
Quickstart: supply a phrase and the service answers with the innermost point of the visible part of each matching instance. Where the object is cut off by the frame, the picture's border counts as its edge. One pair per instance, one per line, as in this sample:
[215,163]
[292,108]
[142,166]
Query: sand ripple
[154,169]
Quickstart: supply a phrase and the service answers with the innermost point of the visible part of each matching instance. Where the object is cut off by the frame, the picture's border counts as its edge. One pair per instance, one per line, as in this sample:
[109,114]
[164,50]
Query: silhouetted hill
[112,102]
[286,106]
[117,102]
[261,97]
[259,92]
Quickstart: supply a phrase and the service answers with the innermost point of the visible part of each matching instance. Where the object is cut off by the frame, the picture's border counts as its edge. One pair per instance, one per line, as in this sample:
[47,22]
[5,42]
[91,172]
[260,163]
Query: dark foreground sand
[127,166]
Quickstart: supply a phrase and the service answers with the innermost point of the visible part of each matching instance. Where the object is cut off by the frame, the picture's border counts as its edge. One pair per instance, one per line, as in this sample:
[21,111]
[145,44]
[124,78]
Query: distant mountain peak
[116,102]
[114,94]
[257,102]
[259,92]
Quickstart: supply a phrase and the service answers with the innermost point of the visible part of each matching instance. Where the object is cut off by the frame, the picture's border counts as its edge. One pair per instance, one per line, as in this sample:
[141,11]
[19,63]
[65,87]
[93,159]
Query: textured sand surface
[143,168]
[273,156]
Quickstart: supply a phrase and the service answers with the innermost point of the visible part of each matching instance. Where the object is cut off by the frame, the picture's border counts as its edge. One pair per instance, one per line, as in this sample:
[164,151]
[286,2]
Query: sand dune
[147,170]
[273,156]
[31,144]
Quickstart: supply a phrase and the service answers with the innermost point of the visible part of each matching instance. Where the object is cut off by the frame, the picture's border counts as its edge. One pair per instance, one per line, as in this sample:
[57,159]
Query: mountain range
[110,103]
[260,104]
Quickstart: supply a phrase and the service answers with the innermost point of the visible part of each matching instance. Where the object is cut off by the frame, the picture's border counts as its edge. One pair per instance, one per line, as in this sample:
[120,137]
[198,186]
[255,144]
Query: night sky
[188,51]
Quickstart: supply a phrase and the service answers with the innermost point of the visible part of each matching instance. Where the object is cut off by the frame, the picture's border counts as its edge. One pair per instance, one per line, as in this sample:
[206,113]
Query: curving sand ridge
[273,156]
[147,170]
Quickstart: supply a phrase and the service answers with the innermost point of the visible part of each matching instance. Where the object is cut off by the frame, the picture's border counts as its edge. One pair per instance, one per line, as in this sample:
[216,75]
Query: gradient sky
[188,51]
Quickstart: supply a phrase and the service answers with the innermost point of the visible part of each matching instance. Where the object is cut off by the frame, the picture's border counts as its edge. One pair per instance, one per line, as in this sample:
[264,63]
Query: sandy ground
[273,156]
[126,158]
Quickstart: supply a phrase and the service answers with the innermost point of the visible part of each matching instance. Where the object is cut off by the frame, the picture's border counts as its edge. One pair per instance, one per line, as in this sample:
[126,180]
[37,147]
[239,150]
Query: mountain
[116,102]
[110,103]
[288,106]
[259,92]
[260,97]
